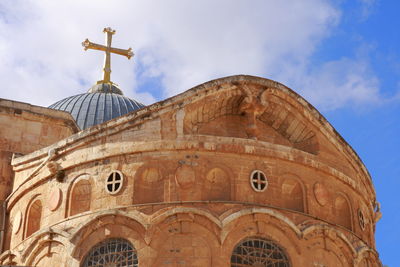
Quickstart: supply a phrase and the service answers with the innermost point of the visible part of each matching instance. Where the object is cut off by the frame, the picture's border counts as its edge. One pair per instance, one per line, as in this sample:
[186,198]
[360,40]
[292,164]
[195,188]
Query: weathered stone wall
[187,197]
[25,128]
[174,177]
[6,174]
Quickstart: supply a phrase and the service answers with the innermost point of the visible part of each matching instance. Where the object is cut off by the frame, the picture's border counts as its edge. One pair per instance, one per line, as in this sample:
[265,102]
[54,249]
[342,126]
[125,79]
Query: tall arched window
[260,252]
[112,252]
[80,198]
[34,217]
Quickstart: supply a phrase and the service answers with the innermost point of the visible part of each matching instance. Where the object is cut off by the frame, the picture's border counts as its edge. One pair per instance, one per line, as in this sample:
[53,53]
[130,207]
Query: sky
[341,56]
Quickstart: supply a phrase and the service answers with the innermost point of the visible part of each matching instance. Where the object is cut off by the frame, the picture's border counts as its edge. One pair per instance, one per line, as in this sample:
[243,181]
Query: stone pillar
[6,174]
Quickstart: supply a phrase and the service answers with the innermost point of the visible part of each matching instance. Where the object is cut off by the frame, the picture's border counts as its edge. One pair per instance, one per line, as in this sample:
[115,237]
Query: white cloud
[178,42]
[340,83]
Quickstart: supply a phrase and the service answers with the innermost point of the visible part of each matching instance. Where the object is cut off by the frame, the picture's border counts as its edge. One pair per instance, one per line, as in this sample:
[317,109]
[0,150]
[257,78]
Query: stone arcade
[238,171]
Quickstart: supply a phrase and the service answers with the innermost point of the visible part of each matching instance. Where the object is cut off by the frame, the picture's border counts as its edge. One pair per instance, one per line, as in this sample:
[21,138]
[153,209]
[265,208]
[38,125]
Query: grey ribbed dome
[96,107]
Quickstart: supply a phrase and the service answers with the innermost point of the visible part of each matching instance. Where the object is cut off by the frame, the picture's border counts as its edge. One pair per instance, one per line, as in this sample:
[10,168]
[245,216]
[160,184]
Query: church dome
[103,102]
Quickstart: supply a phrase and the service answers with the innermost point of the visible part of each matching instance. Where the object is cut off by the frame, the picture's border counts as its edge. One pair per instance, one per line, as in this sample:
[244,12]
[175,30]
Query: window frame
[101,248]
[251,180]
[108,182]
[247,252]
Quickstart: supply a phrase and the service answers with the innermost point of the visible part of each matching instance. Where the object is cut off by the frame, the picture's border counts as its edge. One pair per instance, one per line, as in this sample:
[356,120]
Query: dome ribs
[92,110]
[82,119]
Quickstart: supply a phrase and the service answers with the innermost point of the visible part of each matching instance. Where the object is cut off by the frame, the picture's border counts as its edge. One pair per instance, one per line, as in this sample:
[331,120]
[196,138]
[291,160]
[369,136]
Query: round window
[114,182]
[258,181]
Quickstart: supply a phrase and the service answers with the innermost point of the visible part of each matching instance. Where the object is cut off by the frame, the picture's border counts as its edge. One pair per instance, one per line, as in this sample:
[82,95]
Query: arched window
[342,212]
[259,252]
[34,217]
[112,252]
[292,195]
[80,198]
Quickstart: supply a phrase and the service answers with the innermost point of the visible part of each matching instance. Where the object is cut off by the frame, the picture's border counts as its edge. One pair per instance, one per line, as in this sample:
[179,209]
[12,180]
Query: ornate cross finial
[108,49]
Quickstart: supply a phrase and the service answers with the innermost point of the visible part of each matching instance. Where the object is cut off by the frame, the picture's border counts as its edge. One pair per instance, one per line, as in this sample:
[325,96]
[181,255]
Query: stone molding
[203,143]
[24,253]
[192,95]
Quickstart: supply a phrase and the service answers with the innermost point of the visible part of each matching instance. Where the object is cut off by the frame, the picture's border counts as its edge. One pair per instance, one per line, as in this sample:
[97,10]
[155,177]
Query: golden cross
[108,49]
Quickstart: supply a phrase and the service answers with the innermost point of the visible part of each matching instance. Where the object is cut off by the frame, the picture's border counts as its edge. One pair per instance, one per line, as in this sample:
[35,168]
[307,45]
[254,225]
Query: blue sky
[373,130]
[342,56]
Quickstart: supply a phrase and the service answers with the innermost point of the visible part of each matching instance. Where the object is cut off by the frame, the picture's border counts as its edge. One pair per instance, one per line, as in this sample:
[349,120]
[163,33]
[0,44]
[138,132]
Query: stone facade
[188,179]
[25,128]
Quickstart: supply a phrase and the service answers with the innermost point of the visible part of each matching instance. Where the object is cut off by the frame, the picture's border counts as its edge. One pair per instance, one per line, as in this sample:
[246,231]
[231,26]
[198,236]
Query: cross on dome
[108,50]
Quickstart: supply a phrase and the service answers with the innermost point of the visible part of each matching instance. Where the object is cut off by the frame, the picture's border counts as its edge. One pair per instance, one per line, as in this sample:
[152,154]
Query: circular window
[114,182]
[258,181]
[361,219]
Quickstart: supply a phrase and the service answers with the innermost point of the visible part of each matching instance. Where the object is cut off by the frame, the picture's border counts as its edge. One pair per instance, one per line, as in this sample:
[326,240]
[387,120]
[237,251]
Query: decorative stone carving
[53,167]
[185,176]
[330,233]
[190,160]
[17,222]
[378,213]
[54,200]
[321,194]
[361,219]
[253,106]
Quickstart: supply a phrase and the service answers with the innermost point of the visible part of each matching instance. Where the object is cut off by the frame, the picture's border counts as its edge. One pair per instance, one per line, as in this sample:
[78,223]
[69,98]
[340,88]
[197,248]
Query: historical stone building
[238,171]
